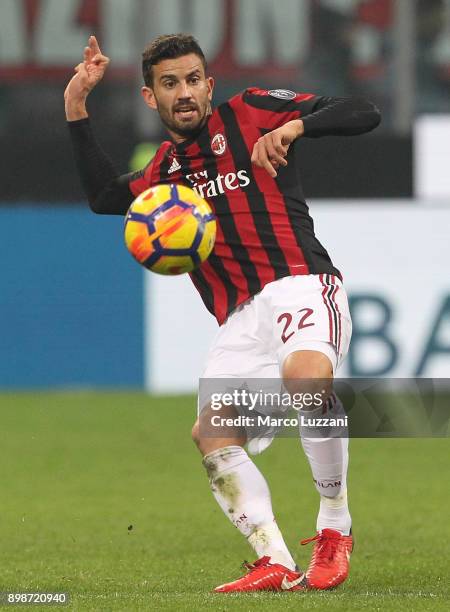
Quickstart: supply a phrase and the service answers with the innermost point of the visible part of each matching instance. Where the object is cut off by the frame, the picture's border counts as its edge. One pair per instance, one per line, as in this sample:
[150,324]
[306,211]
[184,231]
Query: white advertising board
[395,258]
[431,157]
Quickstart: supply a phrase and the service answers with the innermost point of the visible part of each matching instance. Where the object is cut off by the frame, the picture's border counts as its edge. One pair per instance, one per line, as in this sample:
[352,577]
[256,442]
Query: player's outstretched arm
[341,117]
[327,117]
[88,74]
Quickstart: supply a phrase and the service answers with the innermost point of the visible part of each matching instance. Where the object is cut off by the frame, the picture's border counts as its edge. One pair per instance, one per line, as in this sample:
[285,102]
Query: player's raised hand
[271,149]
[87,75]
[95,62]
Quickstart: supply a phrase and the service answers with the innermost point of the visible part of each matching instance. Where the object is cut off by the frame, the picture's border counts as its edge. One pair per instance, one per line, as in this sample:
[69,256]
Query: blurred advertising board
[394,258]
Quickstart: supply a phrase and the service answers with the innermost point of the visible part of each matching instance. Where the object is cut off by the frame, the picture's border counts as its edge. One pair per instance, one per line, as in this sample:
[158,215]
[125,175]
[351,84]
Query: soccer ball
[169,229]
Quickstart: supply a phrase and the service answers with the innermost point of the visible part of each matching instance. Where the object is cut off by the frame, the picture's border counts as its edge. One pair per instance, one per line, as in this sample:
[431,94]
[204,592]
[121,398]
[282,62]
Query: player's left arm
[323,117]
[340,117]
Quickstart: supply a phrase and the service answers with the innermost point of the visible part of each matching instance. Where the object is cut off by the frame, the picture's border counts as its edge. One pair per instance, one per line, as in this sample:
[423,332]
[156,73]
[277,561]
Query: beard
[187,126]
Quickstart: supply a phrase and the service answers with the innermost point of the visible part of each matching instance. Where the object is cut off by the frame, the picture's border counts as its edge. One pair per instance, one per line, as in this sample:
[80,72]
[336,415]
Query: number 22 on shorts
[287,318]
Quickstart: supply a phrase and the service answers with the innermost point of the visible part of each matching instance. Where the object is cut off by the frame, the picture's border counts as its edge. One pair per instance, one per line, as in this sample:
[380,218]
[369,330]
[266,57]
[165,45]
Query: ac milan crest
[219,144]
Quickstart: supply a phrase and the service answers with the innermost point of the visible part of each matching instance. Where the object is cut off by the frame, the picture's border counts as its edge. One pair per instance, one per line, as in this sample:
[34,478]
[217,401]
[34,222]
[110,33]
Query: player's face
[181,94]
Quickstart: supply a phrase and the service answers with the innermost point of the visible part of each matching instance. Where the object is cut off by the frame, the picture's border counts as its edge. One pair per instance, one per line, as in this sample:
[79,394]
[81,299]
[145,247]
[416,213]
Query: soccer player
[278,298]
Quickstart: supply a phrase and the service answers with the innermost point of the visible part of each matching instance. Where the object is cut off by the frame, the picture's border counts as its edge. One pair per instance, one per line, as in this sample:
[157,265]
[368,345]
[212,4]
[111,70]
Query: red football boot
[265,576]
[329,564]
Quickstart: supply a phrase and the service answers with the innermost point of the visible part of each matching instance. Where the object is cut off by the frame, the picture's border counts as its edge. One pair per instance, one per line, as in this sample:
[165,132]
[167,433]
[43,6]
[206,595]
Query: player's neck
[178,138]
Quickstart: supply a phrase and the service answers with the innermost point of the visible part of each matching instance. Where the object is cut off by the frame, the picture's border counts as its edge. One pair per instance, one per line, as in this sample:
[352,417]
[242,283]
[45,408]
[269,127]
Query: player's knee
[307,365]
[308,373]
[196,433]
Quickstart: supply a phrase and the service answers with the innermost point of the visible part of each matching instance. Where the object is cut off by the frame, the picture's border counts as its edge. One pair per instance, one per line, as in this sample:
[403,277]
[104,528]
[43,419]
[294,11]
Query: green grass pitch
[103,495]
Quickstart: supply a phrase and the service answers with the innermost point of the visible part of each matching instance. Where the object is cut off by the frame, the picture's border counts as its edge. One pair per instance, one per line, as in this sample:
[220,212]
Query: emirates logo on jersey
[219,144]
[207,187]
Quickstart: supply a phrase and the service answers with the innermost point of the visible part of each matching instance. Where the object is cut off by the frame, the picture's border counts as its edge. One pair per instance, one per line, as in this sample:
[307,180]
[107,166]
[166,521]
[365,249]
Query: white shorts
[305,312]
[291,314]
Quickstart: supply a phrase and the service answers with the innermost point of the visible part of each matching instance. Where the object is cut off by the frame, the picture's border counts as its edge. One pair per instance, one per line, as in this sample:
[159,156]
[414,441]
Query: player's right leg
[236,483]
[243,494]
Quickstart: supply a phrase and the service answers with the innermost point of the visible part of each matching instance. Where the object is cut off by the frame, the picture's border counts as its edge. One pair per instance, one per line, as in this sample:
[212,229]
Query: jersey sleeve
[269,109]
[321,116]
[141,180]
[341,117]
[117,195]
[108,193]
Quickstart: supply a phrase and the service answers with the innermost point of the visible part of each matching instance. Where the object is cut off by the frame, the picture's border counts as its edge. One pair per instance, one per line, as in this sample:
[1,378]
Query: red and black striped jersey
[264,229]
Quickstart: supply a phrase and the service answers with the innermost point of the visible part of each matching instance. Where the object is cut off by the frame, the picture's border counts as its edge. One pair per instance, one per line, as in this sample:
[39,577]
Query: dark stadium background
[101,491]
[391,51]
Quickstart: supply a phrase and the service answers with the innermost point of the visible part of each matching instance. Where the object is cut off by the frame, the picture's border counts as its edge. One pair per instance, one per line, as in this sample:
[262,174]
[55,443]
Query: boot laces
[259,563]
[325,548]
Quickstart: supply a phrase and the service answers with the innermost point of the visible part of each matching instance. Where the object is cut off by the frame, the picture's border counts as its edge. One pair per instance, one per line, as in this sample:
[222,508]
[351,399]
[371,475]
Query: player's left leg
[328,459]
[311,330]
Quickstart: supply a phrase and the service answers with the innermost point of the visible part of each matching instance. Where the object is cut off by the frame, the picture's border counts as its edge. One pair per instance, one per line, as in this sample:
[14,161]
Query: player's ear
[210,85]
[149,97]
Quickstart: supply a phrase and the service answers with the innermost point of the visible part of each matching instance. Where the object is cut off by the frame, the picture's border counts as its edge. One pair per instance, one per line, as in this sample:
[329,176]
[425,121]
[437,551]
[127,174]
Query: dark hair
[168,46]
